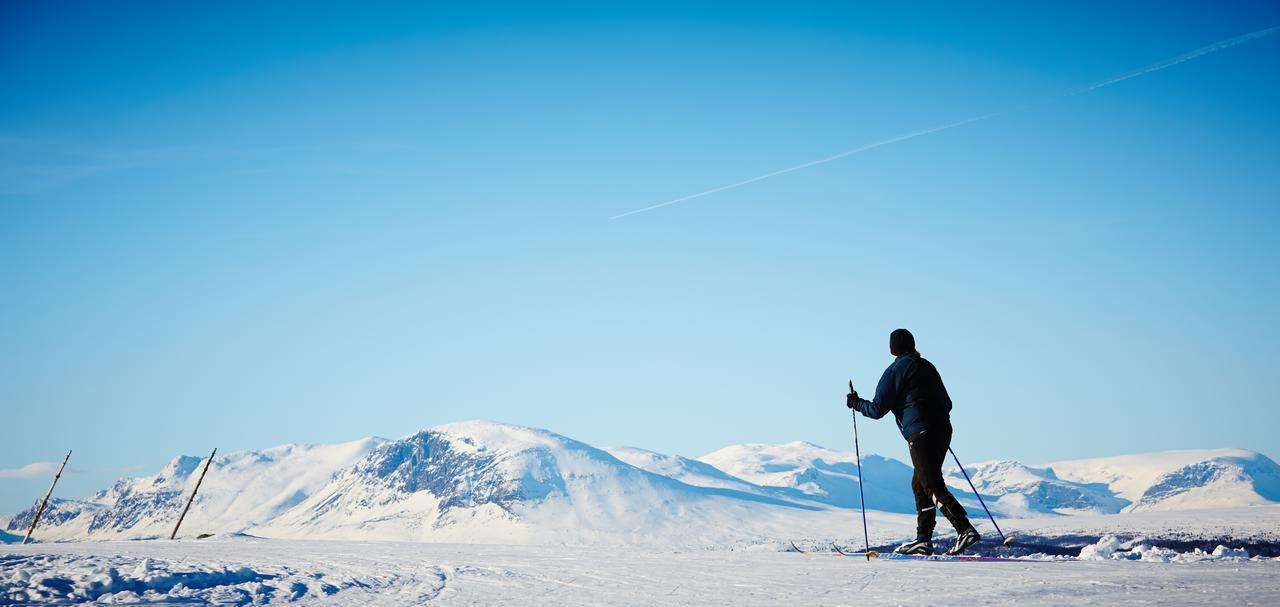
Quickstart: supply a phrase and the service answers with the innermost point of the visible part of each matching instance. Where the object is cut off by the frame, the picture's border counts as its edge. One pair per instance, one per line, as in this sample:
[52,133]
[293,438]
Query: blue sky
[239,226]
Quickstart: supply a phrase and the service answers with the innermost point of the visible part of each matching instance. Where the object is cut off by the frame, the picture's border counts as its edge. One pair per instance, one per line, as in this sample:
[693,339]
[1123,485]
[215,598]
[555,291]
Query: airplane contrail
[1188,56]
[805,165]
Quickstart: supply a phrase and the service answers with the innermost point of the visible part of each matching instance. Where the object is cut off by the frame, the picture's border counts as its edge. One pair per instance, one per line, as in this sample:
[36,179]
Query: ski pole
[862,498]
[1003,540]
[36,519]
[174,535]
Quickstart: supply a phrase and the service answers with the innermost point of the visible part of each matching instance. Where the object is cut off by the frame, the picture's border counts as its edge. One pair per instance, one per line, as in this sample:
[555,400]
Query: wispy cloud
[1155,67]
[32,470]
[33,166]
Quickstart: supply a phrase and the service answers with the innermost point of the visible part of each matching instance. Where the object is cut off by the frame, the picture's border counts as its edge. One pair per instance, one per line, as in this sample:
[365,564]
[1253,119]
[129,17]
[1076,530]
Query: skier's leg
[926,515]
[936,486]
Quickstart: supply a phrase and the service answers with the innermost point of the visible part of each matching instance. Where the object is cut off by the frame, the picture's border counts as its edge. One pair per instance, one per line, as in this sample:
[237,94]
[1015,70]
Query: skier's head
[901,341]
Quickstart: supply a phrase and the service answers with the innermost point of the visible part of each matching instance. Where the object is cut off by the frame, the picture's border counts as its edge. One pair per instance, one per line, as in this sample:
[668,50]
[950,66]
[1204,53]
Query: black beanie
[901,341]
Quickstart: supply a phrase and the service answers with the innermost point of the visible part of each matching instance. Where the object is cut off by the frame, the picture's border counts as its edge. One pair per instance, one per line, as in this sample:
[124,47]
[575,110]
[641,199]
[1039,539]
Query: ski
[893,556]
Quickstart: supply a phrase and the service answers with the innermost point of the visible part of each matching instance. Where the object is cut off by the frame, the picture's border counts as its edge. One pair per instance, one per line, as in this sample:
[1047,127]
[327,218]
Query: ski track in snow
[303,572]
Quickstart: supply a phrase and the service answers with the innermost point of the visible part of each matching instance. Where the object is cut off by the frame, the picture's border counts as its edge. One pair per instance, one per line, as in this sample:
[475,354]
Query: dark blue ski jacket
[912,389]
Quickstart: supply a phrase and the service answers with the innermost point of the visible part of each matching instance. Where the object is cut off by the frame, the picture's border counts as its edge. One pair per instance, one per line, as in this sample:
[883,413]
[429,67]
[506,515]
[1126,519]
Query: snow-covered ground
[244,571]
[487,513]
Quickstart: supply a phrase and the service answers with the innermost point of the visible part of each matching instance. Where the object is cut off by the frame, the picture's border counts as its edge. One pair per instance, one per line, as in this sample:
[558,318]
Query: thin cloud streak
[857,150]
[1155,67]
[33,166]
[1183,58]
[32,470]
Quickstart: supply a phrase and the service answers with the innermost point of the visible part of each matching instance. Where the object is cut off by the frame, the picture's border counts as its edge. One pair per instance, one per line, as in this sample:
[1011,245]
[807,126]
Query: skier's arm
[886,396]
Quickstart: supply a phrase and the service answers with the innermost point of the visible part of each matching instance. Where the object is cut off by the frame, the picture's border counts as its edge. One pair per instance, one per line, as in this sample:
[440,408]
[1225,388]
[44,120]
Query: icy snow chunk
[1111,548]
[122,597]
[1103,550]
[1222,551]
[1146,552]
[144,568]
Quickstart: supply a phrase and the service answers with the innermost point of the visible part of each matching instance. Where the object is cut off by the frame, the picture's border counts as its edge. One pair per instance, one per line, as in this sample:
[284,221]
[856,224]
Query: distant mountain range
[483,481]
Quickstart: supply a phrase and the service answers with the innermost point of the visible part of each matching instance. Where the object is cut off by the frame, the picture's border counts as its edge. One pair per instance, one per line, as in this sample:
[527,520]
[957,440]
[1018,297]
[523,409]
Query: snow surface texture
[495,483]
[292,572]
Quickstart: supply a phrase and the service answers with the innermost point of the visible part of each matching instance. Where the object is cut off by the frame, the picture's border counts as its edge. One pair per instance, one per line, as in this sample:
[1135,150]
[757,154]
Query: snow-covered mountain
[683,469]
[1175,480]
[1162,481]
[824,475]
[240,490]
[1020,490]
[489,482]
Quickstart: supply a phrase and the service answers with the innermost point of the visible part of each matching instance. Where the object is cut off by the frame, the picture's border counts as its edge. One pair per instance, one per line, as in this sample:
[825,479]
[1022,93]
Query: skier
[912,389]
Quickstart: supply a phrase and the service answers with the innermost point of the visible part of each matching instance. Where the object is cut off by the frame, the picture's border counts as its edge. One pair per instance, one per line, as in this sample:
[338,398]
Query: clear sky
[241,226]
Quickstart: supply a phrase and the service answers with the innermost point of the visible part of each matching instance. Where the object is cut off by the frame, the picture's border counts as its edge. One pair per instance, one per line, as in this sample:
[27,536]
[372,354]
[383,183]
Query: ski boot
[967,538]
[922,547]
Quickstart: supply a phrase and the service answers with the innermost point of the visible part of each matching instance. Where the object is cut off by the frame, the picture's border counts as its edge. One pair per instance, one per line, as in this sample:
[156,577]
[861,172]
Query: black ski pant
[928,452]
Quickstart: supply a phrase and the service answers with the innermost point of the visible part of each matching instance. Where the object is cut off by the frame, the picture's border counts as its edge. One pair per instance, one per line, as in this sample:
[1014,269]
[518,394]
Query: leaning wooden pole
[39,511]
[174,535]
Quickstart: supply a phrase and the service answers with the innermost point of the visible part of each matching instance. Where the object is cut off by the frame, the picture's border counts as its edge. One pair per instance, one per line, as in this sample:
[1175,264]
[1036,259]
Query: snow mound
[124,579]
[1101,550]
[45,579]
[1110,548]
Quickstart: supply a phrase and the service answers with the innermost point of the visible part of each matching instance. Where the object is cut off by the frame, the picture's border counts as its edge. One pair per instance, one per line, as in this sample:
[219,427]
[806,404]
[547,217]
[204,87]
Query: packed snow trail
[295,572]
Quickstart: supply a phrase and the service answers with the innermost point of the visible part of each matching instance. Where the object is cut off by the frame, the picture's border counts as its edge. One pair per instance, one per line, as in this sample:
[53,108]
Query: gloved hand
[851,401]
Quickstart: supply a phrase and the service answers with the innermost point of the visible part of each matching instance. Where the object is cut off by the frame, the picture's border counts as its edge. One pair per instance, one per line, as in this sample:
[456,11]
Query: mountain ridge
[482,481]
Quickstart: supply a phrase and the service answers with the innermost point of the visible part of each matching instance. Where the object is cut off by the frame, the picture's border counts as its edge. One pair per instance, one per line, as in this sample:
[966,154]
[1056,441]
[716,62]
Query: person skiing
[912,389]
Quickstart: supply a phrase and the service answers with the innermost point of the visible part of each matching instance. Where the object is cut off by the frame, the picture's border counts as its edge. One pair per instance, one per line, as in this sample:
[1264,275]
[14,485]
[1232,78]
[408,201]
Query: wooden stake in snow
[36,518]
[174,535]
